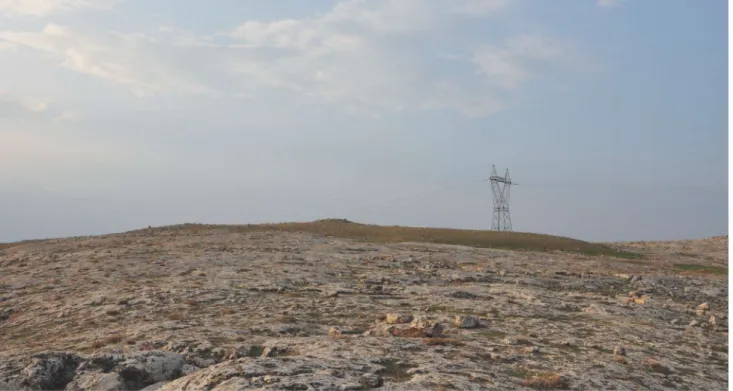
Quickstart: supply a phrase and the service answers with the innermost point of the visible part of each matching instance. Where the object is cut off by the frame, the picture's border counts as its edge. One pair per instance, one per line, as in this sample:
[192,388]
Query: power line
[531,185]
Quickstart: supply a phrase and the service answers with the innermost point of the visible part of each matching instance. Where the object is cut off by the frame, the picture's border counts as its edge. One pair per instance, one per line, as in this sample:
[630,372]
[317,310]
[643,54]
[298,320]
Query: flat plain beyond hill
[335,305]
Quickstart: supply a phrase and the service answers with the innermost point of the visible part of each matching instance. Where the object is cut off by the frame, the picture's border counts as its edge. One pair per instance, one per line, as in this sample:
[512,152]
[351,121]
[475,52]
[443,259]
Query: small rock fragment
[466,321]
[155,386]
[619,350]
[232,384]
[532,349]
[428,327]
[371,380]
[704,307]
[396,318]
[463,295]
[590,344]
[510,340]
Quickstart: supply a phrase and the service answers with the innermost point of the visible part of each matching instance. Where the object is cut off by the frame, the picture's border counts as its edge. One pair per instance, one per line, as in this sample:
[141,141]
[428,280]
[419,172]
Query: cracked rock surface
[206,309]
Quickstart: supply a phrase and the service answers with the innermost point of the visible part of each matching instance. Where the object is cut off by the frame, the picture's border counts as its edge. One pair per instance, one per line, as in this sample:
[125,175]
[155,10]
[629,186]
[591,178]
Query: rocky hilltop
[220,308]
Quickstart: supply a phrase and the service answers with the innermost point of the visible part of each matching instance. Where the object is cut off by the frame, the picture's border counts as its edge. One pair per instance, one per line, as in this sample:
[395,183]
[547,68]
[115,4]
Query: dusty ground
[212,309]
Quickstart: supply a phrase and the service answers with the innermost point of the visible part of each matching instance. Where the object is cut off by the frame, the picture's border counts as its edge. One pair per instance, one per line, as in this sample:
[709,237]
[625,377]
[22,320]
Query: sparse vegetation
[654,365]
[109,340]
[175,316]
[546,381]
[396,371]
[395,234]
[255,351]
[702,268]
[317,305]
[442,341]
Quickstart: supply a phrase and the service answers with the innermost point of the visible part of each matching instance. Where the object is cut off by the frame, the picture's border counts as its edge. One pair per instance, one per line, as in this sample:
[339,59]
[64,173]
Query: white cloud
[13,105]
[509,65]
[125,60]
[46,7]
[370,55]
[70,116]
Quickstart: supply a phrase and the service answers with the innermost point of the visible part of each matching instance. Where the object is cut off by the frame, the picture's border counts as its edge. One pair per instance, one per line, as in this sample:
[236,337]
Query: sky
[611,115]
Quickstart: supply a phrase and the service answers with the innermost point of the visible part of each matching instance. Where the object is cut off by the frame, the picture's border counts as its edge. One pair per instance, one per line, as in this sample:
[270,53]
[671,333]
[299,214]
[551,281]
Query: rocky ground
[181,309]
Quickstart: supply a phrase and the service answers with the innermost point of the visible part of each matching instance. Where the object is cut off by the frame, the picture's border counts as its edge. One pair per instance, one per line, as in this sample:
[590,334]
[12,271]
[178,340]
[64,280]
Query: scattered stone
[590,344]
[619,350]
[694,323]
[532,349]
[371,380]
[5,313]
[98,381]
[142,369]
[704,307]
[463,295]
[466,321]
[397,318]
[419,328]
[272,286]
[50,371]
[510,340]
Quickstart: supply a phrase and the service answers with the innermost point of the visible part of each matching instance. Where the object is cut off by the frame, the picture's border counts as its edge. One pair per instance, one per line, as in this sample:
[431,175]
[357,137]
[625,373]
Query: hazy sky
[119,114]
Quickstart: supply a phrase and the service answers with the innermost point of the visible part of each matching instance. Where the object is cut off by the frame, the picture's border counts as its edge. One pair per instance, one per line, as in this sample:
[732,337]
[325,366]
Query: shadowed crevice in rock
[50,371]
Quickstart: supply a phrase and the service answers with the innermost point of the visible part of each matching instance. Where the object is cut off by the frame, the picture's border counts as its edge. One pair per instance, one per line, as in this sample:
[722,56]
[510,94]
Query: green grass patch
[255,351]
[701,268]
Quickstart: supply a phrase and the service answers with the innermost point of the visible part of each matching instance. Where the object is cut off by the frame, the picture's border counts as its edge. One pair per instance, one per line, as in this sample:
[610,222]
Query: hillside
[345,229]
[335,305]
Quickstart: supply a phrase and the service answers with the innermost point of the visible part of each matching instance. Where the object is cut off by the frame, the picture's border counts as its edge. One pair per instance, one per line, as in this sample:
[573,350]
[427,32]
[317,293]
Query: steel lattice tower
[500,187]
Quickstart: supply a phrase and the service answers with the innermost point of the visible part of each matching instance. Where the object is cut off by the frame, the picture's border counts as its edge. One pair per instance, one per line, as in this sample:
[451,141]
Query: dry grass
[546,381]
[395,234]
[109,340]
[174,316]
[410,332]
[702,269]
[442,341]
[4,246]
[656,366]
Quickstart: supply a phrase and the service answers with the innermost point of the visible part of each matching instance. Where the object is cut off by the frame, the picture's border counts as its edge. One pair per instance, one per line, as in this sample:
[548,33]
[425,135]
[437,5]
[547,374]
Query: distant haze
[119,114]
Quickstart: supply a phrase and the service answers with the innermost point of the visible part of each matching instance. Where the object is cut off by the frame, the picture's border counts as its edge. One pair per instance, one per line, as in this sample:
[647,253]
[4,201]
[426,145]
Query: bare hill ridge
[336,305]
